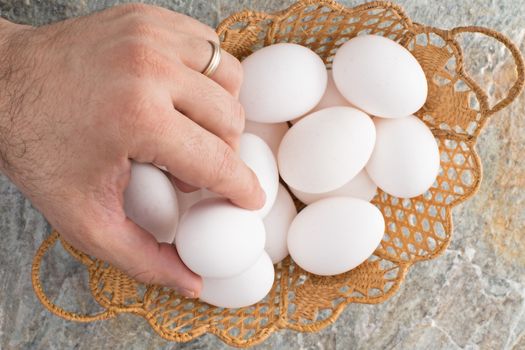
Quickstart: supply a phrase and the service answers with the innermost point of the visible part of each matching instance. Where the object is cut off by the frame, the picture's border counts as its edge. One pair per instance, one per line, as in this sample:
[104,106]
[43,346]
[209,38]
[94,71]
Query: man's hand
[80,98]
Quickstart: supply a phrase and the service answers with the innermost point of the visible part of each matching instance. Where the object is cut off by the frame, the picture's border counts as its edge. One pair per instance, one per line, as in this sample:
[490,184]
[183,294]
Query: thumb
[136,252]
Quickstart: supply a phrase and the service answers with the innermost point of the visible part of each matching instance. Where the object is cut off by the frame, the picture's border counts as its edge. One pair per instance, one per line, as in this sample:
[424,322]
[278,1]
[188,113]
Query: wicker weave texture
[416,229]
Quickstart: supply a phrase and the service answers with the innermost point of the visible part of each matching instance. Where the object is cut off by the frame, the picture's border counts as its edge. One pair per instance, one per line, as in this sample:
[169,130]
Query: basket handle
[516,88]
[41,295]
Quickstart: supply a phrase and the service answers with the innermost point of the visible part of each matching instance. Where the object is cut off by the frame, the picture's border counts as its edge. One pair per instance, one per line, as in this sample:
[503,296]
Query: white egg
[218,239]
[271,133]
[361,186]
[335,234]
[245,289]
[277,223]
[405,161]
[151,202]
[326,149]
[379,76]
[281,82]
[187,199]
[331,98]
[259,157]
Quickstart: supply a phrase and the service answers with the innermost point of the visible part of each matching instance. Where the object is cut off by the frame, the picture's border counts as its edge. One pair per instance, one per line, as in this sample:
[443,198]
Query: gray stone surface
[473,297]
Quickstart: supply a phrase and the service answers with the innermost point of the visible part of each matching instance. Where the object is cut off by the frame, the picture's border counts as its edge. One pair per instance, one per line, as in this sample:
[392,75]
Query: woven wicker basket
[416,229]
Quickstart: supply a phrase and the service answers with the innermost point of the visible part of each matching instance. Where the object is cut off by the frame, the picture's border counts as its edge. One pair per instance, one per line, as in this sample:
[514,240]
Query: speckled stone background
[473,297]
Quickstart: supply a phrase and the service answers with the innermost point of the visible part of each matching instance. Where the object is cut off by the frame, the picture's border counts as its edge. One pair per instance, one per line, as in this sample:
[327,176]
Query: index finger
[199,158]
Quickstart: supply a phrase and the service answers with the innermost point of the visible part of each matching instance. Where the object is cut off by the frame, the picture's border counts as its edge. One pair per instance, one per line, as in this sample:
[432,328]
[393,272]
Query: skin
[80,98]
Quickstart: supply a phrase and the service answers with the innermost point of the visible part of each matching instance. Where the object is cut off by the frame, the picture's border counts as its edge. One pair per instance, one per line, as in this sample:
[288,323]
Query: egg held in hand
[259,157]
[151,202]
[218,239]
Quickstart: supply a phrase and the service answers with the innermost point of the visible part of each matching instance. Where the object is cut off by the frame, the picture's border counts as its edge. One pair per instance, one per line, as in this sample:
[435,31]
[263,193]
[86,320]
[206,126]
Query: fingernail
[186,292]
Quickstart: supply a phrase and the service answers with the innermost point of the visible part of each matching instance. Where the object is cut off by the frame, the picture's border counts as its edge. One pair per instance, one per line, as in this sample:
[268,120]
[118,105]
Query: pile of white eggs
[352,131]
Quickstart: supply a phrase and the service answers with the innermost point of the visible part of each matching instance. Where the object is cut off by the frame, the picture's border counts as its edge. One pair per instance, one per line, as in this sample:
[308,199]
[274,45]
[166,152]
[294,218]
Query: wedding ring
[214,61]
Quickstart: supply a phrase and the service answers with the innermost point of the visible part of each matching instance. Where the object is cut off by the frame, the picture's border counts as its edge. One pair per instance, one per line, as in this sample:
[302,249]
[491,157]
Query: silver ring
[215,59]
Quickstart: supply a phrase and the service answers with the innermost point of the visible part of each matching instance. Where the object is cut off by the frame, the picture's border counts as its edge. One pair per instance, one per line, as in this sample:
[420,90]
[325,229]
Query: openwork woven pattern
[416,229]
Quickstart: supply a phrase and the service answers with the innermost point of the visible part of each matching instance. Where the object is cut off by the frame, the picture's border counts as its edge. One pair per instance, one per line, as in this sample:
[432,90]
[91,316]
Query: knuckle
[138,57]
[135,51]
[137,26]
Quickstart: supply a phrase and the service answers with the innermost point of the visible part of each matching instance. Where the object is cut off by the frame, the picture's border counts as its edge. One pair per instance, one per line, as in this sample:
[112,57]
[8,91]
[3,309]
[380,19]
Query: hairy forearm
[5,27]
[11,86]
